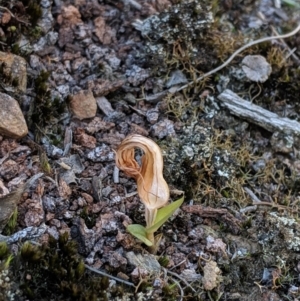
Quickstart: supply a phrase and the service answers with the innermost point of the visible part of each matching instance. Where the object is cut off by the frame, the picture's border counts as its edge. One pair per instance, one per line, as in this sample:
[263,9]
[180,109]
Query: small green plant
[34,10]
[5,259]
[145,234]
[291,3]
[152,187]
[12,224]
[44,110]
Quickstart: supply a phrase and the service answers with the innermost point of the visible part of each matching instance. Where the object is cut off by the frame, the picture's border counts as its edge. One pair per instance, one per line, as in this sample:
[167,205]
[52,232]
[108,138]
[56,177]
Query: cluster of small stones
[5,284]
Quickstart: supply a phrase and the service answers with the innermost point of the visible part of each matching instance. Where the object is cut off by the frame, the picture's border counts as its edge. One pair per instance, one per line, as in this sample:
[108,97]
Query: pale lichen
[288,228]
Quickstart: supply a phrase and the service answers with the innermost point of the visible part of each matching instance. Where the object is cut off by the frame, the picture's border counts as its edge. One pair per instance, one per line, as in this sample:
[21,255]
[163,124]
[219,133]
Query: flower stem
[153,248]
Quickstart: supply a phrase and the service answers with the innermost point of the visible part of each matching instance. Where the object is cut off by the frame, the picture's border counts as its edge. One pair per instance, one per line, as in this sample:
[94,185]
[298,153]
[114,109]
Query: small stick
[135,4]
[173,90]
[285,45]
[252,195]
[262,40]
[291,53]
[182,279]
[178,264]
[116,175]
[248,209]
[256,201]
[180,288]
[110,276]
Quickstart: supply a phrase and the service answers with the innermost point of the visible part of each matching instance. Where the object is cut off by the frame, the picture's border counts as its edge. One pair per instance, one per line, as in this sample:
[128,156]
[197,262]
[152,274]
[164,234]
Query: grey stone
[176,78]
[64,90]
[136,75]
[164,128]
[101,154]
[147,262]
[104,105]
[152,115]
[51,37]
[46,22]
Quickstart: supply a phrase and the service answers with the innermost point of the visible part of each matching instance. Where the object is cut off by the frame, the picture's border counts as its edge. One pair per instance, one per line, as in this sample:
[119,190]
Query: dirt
[237,235]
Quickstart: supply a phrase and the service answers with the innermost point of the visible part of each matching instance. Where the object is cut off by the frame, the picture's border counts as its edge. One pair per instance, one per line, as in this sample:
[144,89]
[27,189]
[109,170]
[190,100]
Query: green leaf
[139,232]
[163,214]
[291,3]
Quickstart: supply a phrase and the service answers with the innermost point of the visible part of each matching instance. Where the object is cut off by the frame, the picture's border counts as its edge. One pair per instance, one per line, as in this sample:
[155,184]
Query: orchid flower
[152,187]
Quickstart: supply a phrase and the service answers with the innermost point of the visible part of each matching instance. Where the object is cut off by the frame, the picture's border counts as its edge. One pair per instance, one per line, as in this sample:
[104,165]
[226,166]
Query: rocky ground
[77,77]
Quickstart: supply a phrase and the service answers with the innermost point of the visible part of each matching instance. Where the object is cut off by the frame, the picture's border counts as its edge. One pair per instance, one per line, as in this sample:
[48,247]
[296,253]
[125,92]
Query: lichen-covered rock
[147,262]
[184,156]
[163,128]
[187,19]
[12,122]
[101,153]
[282,230]
[35,213]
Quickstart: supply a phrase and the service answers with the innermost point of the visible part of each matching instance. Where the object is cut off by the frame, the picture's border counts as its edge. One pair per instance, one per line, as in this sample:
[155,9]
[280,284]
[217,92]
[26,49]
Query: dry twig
[262,40]
[173,90]
[14,16]
[257,115]
[291,51]
[182,279]
[233,223]
[109,276]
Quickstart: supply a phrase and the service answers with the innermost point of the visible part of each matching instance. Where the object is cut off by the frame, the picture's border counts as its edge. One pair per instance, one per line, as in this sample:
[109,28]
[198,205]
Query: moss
[164,261]
[88,217]
[44,162]
[191,179]
[44,109]
[35,32]
[247,223]
[10,228]
[55,271]
[15,49]
[4,250]
[170,291]
[31,253]
[34,10]
[277,59]
[5,263]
